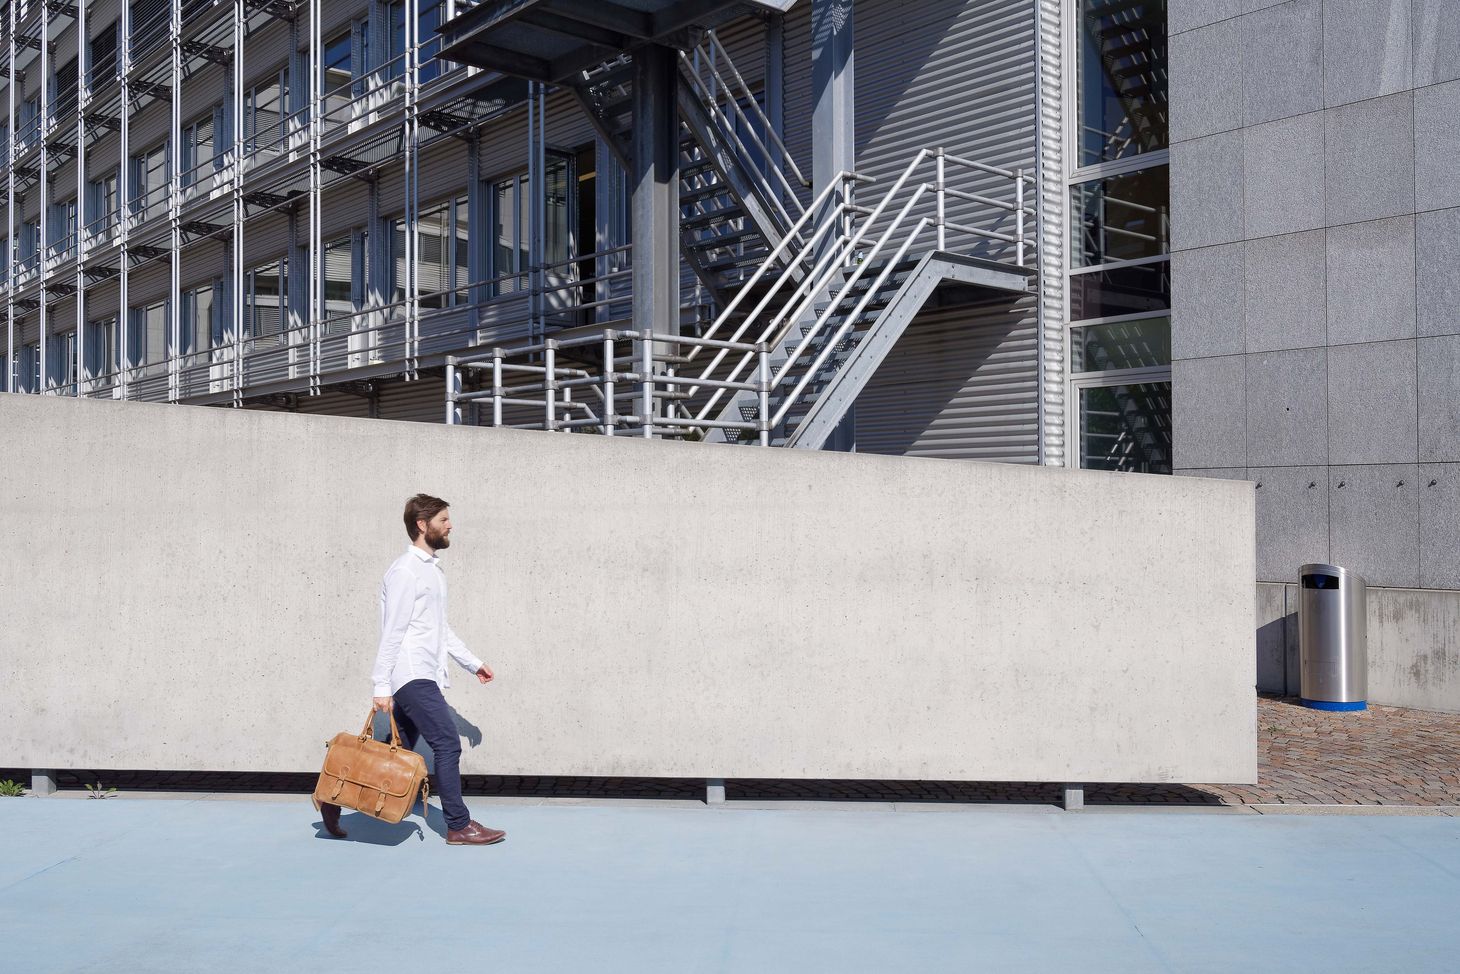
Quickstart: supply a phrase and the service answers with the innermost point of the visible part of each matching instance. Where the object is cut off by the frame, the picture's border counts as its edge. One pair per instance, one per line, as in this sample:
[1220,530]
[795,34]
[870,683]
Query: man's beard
[437,541]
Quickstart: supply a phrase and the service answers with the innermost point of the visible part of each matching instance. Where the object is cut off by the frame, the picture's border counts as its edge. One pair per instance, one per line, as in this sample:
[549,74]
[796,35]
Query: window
[102,58]
[198,153]
[396,43]
[267,300]
[29,127]
[1122,79]
[28,375]
[61,363]
[63,227]
[199,326]
[442,265]
[149,182]
[28,251]
[339,260]
[147,337]
[1119,281]
[1124,217]
[511,205]
[428,42]
[265,112]
[103,356]
[105,205]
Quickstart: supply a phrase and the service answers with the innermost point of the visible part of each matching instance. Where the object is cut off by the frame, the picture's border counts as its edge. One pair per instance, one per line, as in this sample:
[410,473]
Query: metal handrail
[769,129]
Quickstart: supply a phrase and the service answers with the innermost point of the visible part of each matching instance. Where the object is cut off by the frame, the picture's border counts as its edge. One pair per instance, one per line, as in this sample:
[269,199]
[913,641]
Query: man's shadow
[362,828]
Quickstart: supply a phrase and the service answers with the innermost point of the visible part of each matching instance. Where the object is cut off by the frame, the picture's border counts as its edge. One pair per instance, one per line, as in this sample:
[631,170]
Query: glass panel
[460,245]
[336,79]
[558,213]
[338,297]
[397,261]
[431,262]
[505,236]
[1121,291]
[266,300]
[155,329]
[428,40]
[1121,218]
[1122,64]
[396,67]
[264,116]
[1141,344]
[1126,428]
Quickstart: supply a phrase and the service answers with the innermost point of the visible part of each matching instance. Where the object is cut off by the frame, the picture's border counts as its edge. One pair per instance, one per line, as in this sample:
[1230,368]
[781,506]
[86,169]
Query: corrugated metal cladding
[958,385]
[960,74]
[796,101]
[953,73]
[1053,202]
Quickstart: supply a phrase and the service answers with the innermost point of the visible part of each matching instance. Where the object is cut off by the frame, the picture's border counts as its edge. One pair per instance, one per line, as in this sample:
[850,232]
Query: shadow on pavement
[372,831]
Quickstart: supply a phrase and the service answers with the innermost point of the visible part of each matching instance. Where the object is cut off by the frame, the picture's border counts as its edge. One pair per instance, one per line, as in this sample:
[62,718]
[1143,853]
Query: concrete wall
[1315,180]
[1414,645]
[190,588]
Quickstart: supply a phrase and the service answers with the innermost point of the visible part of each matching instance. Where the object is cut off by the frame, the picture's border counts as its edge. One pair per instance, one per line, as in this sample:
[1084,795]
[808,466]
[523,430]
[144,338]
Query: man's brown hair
[422,507]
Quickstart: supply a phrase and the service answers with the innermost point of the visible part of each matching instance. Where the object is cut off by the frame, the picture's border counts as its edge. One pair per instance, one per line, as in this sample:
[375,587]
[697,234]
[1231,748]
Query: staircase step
[702,193]
[726,239]
[708,217]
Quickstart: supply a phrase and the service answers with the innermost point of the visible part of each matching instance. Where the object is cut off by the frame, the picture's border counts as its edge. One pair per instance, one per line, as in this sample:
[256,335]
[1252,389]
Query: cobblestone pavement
[1381,756]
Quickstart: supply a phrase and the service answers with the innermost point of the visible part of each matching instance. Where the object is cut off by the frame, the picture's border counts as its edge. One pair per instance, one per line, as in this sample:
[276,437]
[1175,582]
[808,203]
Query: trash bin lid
[1318,570]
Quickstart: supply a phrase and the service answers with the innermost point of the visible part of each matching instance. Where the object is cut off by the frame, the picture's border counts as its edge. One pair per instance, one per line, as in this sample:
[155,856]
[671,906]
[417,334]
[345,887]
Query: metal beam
[654,184]
[609,16]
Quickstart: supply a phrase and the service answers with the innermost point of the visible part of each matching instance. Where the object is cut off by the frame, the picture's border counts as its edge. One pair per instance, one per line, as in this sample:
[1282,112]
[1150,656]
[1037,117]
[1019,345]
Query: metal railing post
[453,388]
[496,387]
[1019,216]
[608,387]
[550,383]
[765,393]
[646,382]
[942,212]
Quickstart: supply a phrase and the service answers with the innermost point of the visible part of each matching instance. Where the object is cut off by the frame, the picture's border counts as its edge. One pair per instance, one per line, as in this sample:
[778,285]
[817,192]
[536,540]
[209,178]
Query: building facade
[939,229]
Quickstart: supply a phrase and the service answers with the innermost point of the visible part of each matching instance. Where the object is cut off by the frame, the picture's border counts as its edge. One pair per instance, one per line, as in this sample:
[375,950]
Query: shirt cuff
[382,690]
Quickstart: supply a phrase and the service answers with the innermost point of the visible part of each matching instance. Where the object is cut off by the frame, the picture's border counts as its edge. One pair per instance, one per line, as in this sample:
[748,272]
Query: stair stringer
[847,382]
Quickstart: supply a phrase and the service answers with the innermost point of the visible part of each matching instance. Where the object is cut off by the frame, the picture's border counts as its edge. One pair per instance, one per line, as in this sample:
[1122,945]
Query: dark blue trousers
[421,711]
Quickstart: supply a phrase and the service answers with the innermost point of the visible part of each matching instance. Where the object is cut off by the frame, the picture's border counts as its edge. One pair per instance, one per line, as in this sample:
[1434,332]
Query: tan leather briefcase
[382,780]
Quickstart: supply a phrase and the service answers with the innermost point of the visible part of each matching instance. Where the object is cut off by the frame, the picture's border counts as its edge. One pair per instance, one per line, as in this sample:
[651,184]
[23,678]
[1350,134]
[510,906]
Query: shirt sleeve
[459,652]
[397,601]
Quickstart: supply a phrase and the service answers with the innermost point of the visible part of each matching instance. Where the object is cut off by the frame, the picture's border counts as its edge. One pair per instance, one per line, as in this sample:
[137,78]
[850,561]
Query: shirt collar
[428,559]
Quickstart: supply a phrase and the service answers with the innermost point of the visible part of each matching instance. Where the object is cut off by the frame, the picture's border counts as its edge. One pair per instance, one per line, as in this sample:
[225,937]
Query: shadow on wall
[469,732]
[919,402]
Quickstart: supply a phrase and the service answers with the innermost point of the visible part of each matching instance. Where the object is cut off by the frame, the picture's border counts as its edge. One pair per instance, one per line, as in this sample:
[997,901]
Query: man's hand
[386,704]
[485,674]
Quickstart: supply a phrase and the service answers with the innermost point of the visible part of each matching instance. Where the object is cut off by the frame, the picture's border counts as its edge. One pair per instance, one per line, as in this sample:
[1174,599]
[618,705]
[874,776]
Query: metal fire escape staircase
[812,296]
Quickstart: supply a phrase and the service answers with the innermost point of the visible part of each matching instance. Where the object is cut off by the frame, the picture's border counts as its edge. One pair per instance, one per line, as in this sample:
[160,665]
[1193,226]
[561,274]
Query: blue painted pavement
[208,885]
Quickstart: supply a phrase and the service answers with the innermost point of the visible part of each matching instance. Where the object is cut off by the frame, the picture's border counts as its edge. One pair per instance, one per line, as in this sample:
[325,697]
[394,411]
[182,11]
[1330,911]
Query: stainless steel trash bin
[1333,641]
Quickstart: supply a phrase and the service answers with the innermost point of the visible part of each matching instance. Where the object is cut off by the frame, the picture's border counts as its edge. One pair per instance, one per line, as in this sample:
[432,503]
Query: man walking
[410,668]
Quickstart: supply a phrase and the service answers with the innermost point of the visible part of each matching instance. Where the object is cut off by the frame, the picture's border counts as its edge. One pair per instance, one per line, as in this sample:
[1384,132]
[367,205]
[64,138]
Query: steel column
[316,248]
[124,205]
[412,163]
[10,217]
[237,297]
[174,351]
[45,123]
[83,101]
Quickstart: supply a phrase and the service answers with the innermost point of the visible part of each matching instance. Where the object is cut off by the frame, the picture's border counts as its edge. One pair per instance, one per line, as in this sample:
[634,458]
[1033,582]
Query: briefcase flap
[374,765]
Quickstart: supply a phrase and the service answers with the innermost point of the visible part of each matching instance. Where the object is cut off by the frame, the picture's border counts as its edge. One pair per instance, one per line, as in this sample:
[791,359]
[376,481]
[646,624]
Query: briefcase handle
[368,733]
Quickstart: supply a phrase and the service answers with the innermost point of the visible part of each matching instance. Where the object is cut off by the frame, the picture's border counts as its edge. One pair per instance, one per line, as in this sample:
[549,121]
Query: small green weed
[96,791]
[11,789]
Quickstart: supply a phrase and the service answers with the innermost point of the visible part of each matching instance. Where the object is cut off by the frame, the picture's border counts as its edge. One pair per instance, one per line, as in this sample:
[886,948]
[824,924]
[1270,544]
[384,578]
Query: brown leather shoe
[331,815]
[474,834]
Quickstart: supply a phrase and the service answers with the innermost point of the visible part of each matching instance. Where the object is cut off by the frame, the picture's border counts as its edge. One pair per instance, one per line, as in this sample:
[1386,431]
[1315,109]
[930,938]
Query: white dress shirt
[415,637]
